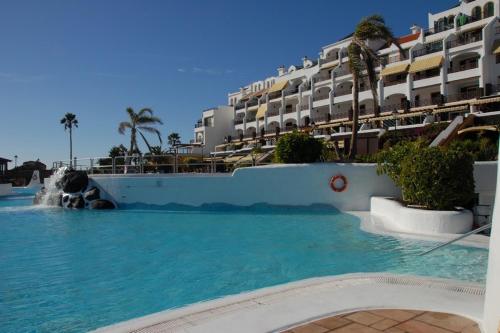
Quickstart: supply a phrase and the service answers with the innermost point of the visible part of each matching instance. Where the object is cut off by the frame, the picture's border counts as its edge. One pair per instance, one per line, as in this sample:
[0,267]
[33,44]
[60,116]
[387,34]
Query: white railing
[151,164]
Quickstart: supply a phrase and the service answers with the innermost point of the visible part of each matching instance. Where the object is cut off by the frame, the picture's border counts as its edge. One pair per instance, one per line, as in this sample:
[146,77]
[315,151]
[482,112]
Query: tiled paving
[390,321]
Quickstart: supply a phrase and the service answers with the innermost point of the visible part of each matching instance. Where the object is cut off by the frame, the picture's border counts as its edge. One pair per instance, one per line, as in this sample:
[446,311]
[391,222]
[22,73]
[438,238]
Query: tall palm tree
[69,121]
[362,57]
[174,139]
[142,121]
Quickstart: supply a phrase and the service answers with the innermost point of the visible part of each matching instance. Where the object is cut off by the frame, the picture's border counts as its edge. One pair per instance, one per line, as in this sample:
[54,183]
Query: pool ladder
[473,232]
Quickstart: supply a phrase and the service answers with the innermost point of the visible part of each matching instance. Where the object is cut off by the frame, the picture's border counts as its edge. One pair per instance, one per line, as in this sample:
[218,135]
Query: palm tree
[69,121]
[362,57]
[142,121]
[174,139]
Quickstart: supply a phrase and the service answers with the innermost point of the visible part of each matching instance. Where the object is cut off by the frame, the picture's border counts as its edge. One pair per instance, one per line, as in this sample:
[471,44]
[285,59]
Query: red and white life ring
[338,183]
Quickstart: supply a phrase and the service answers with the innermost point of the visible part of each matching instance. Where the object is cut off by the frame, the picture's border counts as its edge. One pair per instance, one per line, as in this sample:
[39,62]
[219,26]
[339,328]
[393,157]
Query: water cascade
[72,189]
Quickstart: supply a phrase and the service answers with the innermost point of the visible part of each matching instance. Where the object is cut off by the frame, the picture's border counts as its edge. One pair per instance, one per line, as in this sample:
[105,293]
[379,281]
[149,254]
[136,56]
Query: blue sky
[95,58]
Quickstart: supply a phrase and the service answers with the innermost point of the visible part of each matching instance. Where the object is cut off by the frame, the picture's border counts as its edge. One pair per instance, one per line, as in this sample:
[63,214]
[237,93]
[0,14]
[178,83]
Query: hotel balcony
[429,48]
[291,92]
[427,78]
[198,124]
[463,72]
[465,39]
[464,96]
[252,102]
[273,113]
[432,31]
[238,121]
[239,106]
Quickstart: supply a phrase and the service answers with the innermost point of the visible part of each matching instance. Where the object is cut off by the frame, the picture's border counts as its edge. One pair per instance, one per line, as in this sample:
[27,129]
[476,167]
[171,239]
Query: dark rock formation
[102,204]
[74,181]
[92,194]
[76,202]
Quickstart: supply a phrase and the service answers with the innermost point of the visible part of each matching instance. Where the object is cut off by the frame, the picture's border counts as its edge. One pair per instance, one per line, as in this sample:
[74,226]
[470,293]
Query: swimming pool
[72,271]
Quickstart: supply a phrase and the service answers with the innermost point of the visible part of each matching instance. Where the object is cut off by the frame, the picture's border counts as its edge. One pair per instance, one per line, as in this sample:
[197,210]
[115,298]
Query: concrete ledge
[398,218]
[277,308]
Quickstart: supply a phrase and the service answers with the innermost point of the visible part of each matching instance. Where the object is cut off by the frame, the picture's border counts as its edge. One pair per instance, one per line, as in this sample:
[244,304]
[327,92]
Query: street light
[15,161]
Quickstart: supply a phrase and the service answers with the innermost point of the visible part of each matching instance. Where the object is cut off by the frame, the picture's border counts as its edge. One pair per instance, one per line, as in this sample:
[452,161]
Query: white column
[491,321]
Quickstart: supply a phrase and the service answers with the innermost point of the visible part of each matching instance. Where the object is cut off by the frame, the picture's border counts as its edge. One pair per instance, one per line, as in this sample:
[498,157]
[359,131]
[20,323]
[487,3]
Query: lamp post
[15,161]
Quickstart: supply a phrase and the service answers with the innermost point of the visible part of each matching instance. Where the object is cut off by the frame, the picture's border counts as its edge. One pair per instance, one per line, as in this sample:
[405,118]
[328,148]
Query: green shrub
[432,177]
[298,147]
[482,149]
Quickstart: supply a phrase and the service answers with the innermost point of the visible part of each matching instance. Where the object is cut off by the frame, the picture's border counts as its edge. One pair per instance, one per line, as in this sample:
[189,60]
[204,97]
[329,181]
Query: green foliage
[298,147]
[482,149]
[433,177]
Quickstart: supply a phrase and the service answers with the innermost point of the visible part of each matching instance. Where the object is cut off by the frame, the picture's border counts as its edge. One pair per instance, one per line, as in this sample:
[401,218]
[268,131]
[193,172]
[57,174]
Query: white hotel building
[451,68]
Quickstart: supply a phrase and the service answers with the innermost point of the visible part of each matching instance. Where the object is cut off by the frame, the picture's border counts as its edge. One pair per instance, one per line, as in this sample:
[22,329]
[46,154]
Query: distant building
[3,165]
[449,69]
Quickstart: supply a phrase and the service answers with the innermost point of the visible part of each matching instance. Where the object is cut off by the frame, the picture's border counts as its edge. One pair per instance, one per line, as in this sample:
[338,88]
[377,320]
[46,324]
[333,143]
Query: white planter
[396,217]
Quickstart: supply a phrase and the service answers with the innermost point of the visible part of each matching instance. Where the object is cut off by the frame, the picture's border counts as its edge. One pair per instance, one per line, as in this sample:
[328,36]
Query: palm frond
[143,111]
[123,126]
[151,130]
[149,120]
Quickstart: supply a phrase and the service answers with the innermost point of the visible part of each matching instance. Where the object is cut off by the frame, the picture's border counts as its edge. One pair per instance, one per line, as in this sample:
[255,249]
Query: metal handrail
[473,232]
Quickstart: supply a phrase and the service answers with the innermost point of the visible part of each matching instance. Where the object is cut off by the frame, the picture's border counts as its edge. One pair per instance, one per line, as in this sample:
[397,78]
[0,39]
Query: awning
[278,86]
[486,101]
[479,129]
[425,64]
[261,111]
[452,109]
[257,94]
[329,64]
[496,47]
[232,159]
[401,68]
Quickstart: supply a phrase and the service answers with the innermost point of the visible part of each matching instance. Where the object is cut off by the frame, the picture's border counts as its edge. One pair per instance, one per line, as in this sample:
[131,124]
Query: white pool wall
[290,185]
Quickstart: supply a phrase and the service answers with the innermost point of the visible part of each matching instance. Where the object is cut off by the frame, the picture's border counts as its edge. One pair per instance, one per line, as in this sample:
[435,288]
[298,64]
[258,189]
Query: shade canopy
[278,86]
[261,111]
[426,64]
[392,70]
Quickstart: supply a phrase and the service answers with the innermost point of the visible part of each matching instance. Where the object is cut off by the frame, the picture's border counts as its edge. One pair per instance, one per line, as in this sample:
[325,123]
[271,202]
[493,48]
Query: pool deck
[390,321]
[291,306]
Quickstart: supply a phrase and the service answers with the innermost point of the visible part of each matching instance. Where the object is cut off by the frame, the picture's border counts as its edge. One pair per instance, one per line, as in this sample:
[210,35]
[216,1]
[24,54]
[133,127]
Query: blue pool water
[72,271]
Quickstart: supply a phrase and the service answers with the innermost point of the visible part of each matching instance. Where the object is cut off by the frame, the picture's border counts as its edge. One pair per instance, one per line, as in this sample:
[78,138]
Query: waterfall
[51,194]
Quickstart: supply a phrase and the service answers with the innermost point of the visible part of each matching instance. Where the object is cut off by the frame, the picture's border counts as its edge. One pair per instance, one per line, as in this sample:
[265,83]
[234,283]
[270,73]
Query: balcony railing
[426,102]
[291,92]
[320,98]
[365,112]
[290,110]
[342,72]
[468,39]
[198,124]
[461,68]
[321,79]
[250,119]
[392,107]
[340,115]
[253,102]
[426,75]
[238,121]
[429,49]
[463,96]
[432,31]
[239,106]
[322,118]
[393,83]
[273,113]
